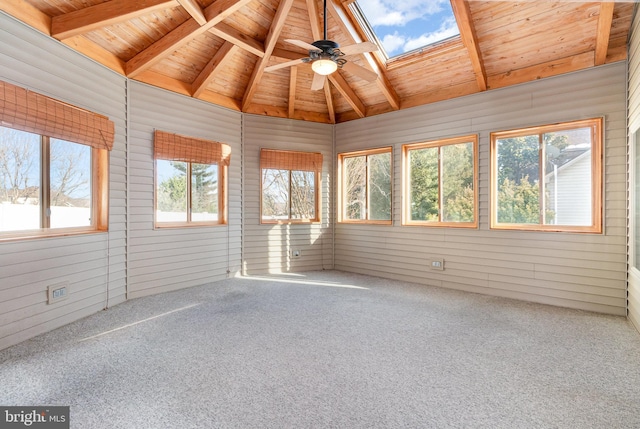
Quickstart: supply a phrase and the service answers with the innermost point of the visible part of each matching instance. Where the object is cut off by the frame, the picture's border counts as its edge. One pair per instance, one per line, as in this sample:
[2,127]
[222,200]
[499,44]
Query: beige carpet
[332,350]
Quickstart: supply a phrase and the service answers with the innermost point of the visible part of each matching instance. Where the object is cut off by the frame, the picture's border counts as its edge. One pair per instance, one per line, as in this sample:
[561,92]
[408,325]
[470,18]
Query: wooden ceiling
[217,50]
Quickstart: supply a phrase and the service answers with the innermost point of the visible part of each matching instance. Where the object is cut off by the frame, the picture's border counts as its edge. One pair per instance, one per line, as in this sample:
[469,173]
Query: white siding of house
[574,192]
[94,265]
[266,247]
[586,271]
[166,259]
[634,127]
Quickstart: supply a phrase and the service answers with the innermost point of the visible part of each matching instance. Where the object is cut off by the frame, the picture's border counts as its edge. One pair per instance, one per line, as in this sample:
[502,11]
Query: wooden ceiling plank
[604,31]
[28,14]
[193,8]
[230,34]
[96,52]
[343,87]
[216,63]
[344,17]
[331,109]
[100,15]
[269,45]
[181,35]
[293,80]
[462,14]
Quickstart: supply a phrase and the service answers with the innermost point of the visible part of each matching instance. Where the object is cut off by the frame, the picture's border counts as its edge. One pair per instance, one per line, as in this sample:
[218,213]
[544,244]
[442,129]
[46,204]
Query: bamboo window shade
[25,110]
[174,147]
[290,160]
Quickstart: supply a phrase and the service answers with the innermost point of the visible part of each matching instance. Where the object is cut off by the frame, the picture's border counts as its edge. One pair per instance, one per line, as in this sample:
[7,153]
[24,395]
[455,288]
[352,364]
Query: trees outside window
[440,183]
[548,178]
[290,186]
[45,183]
[191,176]
[366,186]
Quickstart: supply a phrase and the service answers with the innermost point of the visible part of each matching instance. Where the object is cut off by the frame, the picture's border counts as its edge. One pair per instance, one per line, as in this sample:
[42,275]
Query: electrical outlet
[437,264]
[296,253]
[57,292]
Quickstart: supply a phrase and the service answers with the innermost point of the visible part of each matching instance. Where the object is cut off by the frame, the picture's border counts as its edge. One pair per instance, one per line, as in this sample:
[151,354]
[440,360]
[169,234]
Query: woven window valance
[25,110]
[290,160]
[174,147]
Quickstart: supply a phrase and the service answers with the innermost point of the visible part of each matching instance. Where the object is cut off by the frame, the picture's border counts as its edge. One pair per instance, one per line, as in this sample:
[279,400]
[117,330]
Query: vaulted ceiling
[223,51]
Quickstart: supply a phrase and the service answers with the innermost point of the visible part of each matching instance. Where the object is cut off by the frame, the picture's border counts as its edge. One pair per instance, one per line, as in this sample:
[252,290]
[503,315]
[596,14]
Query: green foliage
[519,202]
[456,181]
[172,194]
[380,187]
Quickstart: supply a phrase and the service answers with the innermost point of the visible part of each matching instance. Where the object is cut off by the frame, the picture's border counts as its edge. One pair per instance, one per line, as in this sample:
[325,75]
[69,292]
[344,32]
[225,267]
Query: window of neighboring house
[440,183]
[548,178]
[53,166]
[190,180]
[290,186]
[365,186]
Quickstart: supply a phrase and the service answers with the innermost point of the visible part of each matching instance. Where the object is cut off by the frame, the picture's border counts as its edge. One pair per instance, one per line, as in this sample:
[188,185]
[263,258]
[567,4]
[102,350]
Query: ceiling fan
[326,57]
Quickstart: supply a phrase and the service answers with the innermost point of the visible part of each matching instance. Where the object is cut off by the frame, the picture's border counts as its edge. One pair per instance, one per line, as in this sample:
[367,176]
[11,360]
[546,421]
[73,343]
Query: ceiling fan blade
[359,48]
[305,45]
[318,82]
[283,65]
[360,71]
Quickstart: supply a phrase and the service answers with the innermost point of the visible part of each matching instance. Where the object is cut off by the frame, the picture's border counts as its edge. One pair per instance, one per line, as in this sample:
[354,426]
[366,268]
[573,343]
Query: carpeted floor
[332,350]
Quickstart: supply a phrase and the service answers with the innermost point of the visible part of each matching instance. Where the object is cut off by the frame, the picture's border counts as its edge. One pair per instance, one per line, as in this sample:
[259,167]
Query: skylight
[405,26]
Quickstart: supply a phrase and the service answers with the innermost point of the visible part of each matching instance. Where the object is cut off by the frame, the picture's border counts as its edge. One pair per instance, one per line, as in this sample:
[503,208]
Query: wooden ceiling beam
[193,8]
[604,32]
[230,34]
[216,63]
[330,108]
[100,15]
[293,80]
[343,87]
[314,19]
[344,18]
[269,46]
[181,35]
[469,38]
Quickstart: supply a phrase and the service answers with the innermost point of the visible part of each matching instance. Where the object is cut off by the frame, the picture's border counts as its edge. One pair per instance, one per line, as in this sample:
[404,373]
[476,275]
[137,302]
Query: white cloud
[393,42]
[394,13]
[448,29]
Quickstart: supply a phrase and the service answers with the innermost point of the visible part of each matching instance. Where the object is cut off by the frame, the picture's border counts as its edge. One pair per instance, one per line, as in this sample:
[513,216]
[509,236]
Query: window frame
[170,146]
[317,173]
[222,198]
[406,182]
[341,182]
[597,175]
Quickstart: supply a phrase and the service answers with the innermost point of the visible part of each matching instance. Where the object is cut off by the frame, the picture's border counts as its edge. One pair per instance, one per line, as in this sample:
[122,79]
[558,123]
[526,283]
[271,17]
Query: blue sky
[403,26]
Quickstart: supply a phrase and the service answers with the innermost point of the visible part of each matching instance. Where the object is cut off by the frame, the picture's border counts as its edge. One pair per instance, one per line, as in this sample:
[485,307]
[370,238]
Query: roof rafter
[345,23]
[216,63]
[269,45]
[112,12]
[343,87]
[193,8]
[468,35]
[181,35]
[604,32]
[239,39]
[330,108]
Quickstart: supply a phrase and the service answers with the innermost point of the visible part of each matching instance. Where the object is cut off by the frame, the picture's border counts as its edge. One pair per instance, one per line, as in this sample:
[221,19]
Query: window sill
[11,236]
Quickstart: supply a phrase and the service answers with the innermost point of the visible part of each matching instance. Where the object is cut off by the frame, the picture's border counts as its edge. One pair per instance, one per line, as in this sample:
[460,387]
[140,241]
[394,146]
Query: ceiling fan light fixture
[324,66]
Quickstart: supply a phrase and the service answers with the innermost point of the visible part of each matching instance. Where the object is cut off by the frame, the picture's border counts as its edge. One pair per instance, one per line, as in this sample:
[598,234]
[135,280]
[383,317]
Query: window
[190,180]
[548,178]
[290,186]
[365,184]
[440,183]
[53,166]
[403,27]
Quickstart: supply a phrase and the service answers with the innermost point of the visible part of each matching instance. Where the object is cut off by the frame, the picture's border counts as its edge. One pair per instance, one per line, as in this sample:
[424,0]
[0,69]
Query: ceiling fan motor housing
[329,50]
